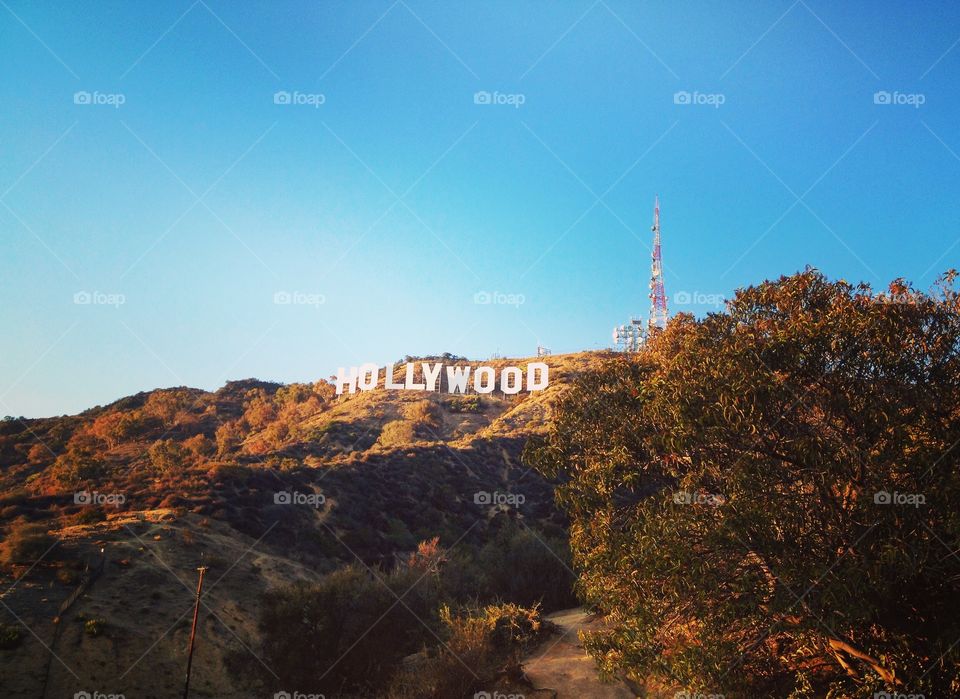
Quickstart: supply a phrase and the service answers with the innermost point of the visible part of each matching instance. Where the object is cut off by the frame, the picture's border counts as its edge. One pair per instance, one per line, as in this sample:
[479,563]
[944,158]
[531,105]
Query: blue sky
[381,212]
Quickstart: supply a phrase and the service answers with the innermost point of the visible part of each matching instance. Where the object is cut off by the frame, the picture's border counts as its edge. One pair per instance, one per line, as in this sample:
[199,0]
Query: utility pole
[193,630]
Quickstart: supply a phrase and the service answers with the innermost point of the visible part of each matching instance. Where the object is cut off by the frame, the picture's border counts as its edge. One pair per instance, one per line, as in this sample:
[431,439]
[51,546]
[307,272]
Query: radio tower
[658,298]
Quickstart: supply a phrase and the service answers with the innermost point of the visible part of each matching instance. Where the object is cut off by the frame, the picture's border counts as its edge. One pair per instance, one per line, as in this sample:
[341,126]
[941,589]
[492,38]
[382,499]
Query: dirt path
[560,664]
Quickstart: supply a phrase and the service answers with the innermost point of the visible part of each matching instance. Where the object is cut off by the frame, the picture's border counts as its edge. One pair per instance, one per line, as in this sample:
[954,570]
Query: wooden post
[193,631]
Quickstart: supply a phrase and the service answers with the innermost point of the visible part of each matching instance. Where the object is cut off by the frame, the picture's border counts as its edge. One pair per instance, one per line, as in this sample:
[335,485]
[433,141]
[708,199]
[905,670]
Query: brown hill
[261,482]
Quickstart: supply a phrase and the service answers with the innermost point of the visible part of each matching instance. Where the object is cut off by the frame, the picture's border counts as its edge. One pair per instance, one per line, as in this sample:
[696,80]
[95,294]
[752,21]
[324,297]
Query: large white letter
[431,375]
[532,384]
[369,377]
[389,383]
[491,379]
[410,385]
[457,377]
[343,379]
[505,385]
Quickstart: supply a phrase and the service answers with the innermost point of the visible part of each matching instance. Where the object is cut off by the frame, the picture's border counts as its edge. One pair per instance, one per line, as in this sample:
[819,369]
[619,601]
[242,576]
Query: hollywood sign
[366,377]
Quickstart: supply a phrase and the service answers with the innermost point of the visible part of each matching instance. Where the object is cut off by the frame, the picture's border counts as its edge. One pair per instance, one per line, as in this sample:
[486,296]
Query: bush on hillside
[344,633]
[526,567]
[479,643]
[25,543]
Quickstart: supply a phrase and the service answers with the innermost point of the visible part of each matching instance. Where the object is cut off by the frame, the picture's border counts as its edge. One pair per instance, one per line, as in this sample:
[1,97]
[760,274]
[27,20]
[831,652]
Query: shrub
[167,456]
[465,404]
[90,515]
[200,446]
[38,453]
[94,627]
[80,463]
[526,567]
[10,636]
[397,433]
[344,633]
[478,643]
[229,437]
[26,543]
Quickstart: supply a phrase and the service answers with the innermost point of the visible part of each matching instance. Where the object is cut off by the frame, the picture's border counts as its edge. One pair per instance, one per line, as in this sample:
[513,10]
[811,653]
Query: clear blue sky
[398,198]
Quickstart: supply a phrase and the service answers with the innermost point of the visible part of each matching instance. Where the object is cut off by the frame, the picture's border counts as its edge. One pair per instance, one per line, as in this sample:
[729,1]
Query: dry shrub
[480,644]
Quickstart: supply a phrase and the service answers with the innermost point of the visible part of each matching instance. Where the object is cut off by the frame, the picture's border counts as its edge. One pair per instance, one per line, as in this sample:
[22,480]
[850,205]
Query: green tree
[167,456]
[729,486]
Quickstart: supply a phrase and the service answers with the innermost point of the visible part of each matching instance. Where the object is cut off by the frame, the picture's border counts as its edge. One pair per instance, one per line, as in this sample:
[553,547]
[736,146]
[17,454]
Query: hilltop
[167,480]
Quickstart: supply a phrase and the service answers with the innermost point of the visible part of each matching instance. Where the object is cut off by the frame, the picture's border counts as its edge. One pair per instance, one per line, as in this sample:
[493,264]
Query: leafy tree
[728,490]
[170,406]
[200,446]
[229,437]
[81,462]
[167,456]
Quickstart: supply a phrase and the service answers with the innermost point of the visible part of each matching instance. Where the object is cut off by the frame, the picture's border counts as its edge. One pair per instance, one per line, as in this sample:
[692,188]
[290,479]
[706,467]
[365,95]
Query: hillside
[165,481]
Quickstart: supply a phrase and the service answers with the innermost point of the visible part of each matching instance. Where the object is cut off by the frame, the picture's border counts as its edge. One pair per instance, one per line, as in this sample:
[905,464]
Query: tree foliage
[765,499]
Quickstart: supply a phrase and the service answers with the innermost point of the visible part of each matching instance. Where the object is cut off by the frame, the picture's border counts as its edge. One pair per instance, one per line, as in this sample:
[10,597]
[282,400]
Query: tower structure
[658,297]
[629,337]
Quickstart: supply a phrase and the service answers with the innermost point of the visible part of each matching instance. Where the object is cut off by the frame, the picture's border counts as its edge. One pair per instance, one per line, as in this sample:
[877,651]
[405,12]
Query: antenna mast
[658,298]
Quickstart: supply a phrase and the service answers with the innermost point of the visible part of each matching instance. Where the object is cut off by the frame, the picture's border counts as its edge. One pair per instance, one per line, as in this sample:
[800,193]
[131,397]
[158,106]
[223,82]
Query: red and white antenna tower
[658,298]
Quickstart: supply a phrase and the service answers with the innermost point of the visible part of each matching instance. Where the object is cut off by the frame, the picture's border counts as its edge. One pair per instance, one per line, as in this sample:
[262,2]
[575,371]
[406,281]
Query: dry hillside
[202,478]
